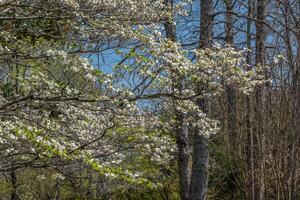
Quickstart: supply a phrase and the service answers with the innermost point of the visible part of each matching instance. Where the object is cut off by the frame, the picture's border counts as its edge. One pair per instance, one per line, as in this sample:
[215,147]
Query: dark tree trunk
[199,174]
[181,129]
[259,135]
[182,140]
[250,187]
[231,118]
[13,178]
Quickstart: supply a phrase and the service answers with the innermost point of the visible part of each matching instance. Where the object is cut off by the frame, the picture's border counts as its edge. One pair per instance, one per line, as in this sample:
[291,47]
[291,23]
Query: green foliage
[225,178]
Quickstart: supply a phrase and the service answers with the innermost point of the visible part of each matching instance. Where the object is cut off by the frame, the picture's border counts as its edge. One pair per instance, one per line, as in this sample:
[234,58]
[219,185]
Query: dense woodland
[149,99]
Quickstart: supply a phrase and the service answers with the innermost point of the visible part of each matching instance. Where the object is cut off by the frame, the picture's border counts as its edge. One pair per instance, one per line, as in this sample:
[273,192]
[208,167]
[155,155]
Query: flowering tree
[57,109]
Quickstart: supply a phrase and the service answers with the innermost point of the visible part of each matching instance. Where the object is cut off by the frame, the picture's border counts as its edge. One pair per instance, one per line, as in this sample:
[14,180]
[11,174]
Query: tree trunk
[259,135]
[182,140]
[231,118]
[181,129]
[13,178]
[250,188]
[199,174]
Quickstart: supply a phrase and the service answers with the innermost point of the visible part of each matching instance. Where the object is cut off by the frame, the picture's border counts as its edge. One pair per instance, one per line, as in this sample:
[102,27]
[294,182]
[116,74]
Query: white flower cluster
[63,107]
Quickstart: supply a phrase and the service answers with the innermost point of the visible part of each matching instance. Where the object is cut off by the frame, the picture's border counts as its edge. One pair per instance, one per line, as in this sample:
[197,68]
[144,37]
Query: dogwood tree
[56,108]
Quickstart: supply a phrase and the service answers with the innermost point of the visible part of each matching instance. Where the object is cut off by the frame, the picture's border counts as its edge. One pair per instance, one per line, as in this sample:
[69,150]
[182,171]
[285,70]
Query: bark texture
[181,129]
[199,174]
[259,127]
